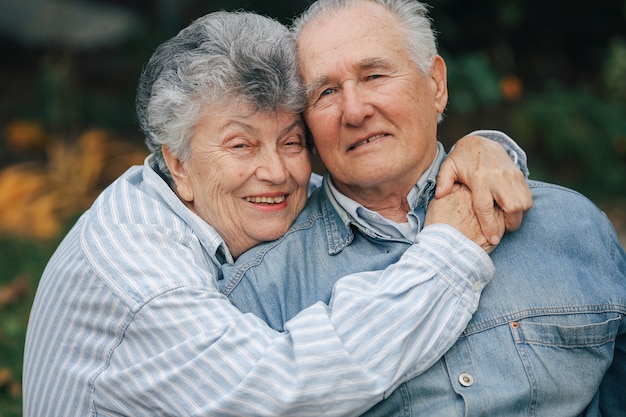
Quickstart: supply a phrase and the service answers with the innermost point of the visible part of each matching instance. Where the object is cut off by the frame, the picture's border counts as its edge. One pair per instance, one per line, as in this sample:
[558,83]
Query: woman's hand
[455,209]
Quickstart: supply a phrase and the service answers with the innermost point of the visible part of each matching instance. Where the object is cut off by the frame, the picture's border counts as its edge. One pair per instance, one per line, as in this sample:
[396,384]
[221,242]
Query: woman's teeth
[267,200]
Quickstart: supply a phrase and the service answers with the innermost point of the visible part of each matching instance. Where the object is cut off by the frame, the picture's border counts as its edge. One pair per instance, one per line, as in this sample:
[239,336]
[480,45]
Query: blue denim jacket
[549,336]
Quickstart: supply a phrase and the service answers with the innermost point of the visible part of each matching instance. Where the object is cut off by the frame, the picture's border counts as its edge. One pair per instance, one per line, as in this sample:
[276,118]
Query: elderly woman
[129,319]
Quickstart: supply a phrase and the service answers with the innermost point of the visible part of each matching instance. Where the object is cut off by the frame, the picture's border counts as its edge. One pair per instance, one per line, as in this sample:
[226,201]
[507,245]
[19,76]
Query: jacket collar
[339,224]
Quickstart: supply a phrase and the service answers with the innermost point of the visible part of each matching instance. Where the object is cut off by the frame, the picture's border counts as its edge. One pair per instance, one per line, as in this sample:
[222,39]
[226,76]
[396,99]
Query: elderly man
[549,336]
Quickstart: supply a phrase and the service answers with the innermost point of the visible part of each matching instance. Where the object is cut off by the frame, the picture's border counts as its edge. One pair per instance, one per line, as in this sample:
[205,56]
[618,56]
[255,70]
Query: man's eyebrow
[315,85]
[366,64]
[370,63]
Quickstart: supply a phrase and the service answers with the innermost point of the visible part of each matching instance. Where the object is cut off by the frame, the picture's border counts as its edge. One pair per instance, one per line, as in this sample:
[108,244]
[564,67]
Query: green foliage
[21,265]
[577,138]
[615,71]
[475,82]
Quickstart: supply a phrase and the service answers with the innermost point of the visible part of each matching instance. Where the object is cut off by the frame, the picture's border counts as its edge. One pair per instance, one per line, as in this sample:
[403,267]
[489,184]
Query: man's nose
[356,106]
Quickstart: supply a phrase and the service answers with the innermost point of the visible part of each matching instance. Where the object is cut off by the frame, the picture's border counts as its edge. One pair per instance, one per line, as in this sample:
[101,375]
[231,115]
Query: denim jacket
[549,336]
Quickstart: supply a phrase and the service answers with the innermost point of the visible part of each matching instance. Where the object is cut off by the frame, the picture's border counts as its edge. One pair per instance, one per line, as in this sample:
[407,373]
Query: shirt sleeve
[188,351]
[515,152]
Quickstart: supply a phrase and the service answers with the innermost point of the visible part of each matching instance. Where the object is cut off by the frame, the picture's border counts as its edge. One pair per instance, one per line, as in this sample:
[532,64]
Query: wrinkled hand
[456,210]
[495,181]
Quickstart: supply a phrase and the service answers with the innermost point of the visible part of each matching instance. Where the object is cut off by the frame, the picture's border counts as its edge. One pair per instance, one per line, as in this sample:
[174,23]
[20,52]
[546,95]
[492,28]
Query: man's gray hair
[412,16]
[218,58]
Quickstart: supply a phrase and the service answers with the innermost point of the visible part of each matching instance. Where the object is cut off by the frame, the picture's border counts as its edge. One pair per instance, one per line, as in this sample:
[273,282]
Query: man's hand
[456,210]
[495,181]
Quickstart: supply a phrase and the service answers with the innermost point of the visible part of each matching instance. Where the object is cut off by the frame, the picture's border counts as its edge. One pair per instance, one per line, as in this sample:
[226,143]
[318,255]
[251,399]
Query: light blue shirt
[548,338]
[128,319]
[384,226]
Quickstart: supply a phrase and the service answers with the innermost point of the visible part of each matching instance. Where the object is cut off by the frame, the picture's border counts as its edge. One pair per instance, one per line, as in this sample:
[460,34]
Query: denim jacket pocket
[568,331]
[565,357]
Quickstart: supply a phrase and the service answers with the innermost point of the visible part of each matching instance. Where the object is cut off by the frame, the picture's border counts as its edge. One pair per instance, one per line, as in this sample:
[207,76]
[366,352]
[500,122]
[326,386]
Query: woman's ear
[182,179]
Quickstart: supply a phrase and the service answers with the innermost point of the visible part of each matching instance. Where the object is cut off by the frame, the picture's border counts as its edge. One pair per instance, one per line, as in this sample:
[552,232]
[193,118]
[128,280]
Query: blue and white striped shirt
[128,319]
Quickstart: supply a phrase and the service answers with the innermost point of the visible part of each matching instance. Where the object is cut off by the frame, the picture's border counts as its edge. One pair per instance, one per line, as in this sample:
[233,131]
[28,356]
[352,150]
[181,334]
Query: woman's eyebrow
[296,123]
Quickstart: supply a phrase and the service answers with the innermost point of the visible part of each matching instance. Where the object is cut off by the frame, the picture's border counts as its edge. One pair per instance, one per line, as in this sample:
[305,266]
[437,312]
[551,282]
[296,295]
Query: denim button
[465,379]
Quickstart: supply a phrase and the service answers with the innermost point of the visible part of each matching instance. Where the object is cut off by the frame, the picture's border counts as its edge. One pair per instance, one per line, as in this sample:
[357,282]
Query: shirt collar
[210,239]
[370,221]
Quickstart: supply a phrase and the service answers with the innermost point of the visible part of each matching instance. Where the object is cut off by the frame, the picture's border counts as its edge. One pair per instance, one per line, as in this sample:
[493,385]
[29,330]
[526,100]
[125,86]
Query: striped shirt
[128,320]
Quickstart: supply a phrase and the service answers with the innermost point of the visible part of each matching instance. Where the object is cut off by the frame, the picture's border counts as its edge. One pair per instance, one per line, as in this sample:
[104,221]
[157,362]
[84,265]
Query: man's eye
[326,92]
[373,77]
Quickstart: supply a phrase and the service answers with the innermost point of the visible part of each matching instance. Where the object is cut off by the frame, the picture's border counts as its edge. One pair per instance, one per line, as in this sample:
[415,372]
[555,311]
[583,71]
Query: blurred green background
[552,74]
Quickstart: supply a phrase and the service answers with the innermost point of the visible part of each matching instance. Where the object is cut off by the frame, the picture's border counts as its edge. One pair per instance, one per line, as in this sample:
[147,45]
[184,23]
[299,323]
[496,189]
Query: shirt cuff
[514,151]
[452,248]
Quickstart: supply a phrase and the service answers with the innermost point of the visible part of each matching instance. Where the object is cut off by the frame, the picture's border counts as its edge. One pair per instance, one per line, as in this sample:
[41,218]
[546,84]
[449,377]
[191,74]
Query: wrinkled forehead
[365,32]
[362,17]
[239,108]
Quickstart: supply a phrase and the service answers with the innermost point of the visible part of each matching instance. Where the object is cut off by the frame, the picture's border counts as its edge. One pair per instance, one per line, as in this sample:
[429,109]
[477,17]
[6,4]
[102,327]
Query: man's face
[372,114]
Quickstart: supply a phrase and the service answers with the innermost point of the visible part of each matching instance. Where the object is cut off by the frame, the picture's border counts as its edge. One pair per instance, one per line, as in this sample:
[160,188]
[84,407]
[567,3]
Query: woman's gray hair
[218,58]
[412,16]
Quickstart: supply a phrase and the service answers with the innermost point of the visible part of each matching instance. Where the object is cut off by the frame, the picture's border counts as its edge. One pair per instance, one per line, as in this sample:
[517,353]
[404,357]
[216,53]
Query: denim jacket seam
[334,223]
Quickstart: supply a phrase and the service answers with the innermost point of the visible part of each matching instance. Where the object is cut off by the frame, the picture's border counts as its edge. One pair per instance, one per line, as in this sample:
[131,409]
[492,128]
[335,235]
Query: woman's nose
[271,167]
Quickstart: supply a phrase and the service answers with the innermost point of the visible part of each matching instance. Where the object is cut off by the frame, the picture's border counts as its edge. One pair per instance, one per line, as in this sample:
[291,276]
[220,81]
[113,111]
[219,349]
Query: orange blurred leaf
[36,198]
[12,292]
[5,377]
[23,135]
[511,87]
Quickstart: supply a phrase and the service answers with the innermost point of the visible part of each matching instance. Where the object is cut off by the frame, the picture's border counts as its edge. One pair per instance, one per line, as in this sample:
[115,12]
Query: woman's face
[247,174]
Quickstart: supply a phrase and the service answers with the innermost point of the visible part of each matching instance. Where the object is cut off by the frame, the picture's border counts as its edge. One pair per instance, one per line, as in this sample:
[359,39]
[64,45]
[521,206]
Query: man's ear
[182,179]
[441,84]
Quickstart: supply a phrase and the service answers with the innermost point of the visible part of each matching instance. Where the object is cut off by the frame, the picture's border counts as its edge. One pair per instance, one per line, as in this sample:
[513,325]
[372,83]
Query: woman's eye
[240,145]
[296,141]
[294,144]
